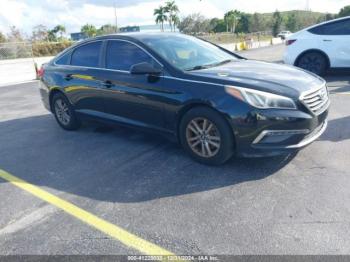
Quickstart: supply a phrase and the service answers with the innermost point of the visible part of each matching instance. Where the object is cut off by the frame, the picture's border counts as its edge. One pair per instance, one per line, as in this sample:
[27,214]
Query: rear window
[87,55]
[333,28]
[64,60]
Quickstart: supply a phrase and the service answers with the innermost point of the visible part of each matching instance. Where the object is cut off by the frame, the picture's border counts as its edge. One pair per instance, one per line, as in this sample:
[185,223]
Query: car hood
[270,77]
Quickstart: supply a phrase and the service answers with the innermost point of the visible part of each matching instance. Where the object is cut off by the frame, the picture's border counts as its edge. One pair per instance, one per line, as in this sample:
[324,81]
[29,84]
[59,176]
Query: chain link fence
[15,50]
[230,38]
[20,60]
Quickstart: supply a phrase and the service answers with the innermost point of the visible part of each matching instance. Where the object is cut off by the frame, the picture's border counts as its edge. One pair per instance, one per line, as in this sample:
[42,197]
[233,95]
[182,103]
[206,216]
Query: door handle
[107,84]
[68,77]
[327,40]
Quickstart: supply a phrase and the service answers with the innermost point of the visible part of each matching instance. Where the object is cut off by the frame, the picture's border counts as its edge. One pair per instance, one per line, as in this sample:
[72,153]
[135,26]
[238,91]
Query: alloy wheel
[62,112]
[203,137]
[312,63]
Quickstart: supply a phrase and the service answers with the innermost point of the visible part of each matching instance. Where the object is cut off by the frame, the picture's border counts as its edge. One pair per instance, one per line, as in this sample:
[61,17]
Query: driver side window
[121,55]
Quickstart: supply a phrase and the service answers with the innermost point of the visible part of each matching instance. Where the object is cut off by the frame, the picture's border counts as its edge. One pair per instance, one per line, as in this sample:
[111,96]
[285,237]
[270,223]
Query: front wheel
[206,136]
[64,112]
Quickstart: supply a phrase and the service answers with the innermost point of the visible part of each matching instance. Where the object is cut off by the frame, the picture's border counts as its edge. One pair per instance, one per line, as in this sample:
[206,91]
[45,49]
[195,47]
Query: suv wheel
[64,112]
[206,136]
[314,62]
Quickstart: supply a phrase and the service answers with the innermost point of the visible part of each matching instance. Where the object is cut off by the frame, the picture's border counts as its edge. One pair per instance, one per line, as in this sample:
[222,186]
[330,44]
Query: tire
[314,62]
[219,137]
[64,112]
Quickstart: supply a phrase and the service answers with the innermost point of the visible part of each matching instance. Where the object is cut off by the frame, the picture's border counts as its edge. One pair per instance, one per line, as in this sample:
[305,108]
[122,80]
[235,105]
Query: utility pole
[115,16]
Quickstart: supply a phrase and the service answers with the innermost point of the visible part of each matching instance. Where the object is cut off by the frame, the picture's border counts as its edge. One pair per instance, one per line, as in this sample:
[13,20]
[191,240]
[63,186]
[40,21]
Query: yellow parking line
[340,93]
[108,228]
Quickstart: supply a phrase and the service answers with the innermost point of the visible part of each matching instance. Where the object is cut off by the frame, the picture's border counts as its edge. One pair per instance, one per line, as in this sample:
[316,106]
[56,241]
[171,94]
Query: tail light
[291,41]
[40,72]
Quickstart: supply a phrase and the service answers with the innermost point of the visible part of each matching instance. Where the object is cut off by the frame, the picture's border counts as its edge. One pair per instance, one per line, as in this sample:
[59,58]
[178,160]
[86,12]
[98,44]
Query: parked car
[320,47]
[214,102]
[284,34]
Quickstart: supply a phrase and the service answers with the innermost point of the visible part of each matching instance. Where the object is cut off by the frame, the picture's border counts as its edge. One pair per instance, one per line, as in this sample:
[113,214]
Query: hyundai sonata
[214,102]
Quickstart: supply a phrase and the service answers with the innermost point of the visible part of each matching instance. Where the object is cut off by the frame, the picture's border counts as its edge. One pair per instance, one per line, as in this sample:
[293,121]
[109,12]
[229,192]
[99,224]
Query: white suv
[320,47]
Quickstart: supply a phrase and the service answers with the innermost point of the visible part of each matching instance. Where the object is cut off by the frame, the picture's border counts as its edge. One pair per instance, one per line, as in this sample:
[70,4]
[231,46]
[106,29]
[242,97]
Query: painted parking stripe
[339,93]
[106,227]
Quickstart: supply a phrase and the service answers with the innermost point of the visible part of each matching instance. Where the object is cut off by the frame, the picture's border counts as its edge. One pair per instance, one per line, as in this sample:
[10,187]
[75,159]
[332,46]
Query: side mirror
[144,68]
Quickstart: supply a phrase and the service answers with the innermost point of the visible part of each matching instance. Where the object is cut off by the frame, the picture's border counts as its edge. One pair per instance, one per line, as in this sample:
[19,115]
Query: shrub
[49,48]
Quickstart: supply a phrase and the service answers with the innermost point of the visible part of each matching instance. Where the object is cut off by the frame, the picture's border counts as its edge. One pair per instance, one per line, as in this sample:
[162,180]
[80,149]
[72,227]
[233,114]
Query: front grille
[316,101]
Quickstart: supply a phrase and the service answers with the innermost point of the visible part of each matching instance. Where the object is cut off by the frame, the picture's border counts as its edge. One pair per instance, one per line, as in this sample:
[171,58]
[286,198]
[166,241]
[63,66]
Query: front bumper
[308,139]
[276,132]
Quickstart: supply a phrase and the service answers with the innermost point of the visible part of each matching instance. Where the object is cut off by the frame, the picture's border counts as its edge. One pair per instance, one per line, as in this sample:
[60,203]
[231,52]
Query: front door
[134,99]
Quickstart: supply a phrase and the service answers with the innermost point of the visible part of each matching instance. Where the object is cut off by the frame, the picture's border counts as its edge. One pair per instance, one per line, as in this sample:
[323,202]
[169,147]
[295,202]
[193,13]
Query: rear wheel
[314,62]
[64,112]
[206,136]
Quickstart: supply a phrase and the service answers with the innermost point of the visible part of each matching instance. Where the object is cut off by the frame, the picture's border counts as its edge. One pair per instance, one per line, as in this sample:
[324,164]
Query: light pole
[115,16]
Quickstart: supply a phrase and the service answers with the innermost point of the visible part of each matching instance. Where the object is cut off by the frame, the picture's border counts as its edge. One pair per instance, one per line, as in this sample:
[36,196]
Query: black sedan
[214,102]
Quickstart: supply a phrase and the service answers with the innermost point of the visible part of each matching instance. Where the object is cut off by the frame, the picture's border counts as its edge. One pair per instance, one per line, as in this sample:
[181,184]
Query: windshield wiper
[223,62]
[199,67]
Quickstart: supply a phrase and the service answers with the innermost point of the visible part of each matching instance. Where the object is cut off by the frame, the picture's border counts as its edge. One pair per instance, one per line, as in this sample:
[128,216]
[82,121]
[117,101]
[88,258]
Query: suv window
[334,28]
[121,55]
[63,60]
[87,55]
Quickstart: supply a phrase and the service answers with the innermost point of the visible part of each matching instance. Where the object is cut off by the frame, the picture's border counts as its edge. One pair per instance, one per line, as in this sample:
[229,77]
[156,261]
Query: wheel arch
[195,104]
[51,95]
[315,50]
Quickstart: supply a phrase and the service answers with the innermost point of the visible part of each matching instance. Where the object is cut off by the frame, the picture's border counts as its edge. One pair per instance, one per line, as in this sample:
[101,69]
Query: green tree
[244,24]
[345,11]
[328,17]
[172,9]
[40,33]
[51,36]
[276,23]
[14,35]
[291,23]
[106,29]
[161,16]
[194,24]
[89,30]
[256,23]
[59,29]
[217,25]
[232,19]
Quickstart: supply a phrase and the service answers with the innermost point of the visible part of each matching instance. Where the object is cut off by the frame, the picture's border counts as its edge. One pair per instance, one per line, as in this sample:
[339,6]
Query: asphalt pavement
[297,204]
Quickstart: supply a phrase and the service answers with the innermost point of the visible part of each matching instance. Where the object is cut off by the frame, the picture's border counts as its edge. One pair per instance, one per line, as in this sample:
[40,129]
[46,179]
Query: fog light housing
[277,136]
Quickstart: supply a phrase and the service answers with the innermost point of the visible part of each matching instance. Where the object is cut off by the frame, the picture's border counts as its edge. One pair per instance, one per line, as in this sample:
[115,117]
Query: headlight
[261,99]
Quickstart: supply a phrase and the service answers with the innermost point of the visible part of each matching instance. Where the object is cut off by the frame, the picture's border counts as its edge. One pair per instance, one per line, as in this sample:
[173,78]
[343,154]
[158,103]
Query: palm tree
[231,18]
[176,20]
[60,29]
[161,16]
[89,30]
[173,10]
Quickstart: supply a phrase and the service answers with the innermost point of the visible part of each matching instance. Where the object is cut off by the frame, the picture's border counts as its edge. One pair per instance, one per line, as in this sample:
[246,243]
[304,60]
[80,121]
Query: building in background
[128,29]
[78,36]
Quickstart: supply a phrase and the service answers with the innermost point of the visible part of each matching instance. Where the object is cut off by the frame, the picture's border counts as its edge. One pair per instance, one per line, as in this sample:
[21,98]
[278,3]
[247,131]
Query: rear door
[82,80]
[334,40]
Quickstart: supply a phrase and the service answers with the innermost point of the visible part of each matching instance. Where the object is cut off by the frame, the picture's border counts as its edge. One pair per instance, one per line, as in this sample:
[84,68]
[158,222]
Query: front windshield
[188,53]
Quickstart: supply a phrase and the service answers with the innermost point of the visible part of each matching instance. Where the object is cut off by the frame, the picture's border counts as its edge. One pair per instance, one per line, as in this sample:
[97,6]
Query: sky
[25,14]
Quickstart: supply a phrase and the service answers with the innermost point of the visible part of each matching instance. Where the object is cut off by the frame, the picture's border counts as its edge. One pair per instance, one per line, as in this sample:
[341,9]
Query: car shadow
[337,130]
[115,164]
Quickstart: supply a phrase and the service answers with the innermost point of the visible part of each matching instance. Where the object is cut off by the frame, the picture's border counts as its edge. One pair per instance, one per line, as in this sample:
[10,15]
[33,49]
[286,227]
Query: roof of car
[134,35]
[326,22]
[141,35]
